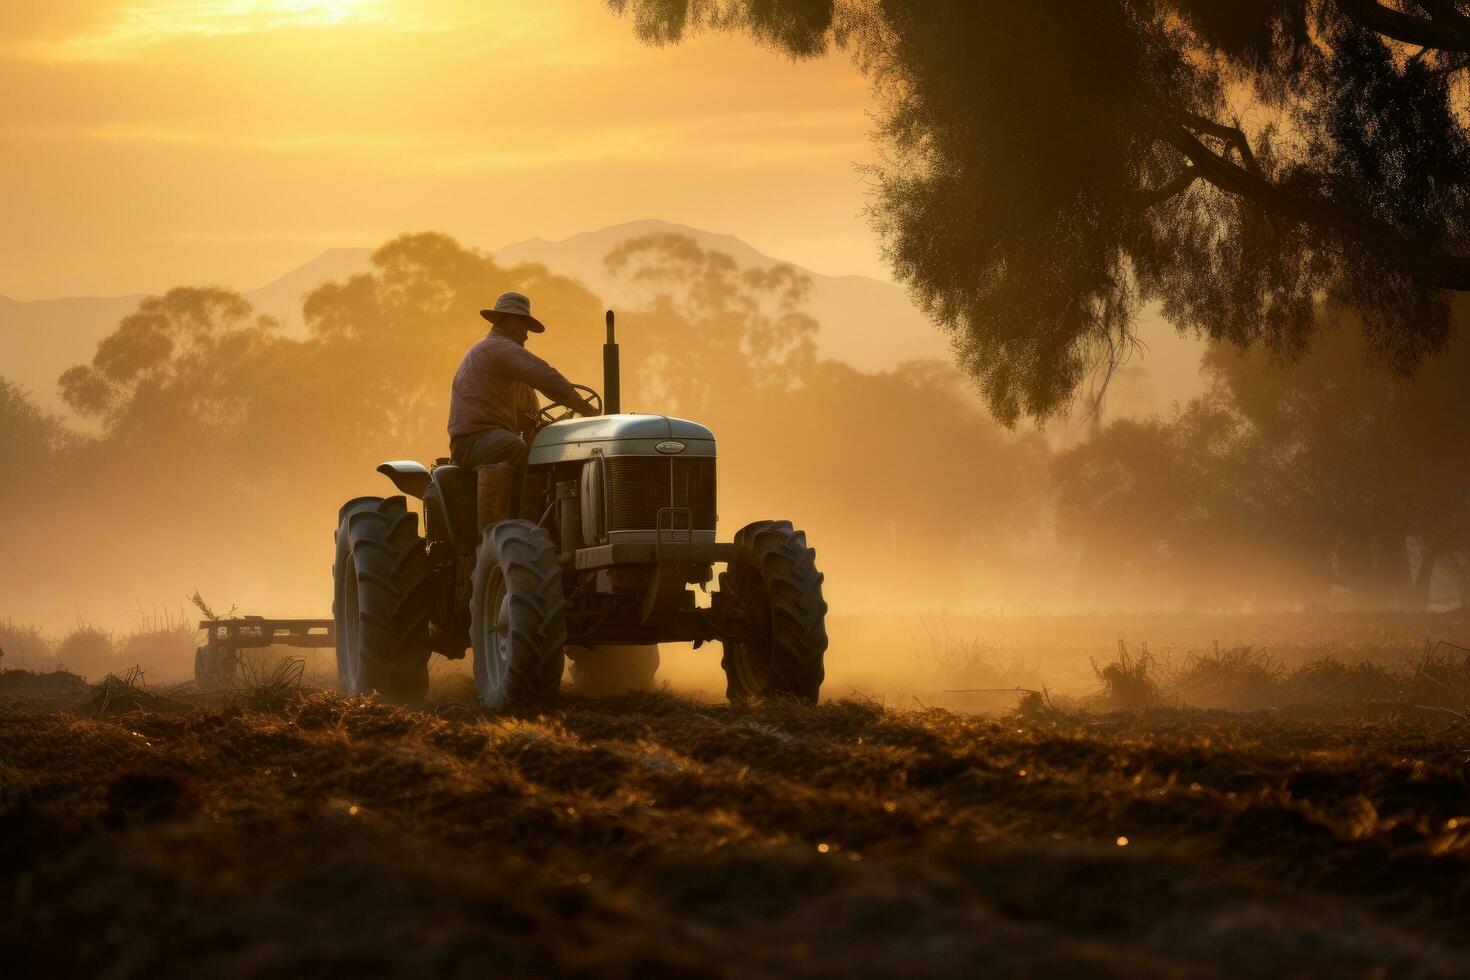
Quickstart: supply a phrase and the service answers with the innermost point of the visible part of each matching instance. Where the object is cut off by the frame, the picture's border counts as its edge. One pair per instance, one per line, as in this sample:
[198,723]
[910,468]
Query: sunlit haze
[149,143]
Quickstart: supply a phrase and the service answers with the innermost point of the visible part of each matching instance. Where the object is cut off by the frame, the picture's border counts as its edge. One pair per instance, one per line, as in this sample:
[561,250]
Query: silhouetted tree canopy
[170,363]
[30,442]
[1283,482]
[713,331]
[1051,167]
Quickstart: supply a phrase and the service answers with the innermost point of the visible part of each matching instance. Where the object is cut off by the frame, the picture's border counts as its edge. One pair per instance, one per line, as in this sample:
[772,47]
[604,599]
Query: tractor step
[648,553]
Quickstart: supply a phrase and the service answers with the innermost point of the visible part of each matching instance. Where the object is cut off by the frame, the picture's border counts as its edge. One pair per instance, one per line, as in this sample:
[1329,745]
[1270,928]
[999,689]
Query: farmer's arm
[524,366]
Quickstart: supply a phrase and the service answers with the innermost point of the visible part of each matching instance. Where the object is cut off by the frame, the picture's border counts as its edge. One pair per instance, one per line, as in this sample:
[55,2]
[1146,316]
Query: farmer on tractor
[492,407]
[616,534]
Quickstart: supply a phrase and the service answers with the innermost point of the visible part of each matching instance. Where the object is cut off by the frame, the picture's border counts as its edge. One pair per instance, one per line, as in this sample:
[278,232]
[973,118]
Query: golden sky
[147,143]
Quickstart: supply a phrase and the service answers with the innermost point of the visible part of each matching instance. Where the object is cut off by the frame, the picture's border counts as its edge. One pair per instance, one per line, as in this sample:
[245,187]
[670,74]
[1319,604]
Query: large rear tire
[382,600]
[774,577]
[517,617]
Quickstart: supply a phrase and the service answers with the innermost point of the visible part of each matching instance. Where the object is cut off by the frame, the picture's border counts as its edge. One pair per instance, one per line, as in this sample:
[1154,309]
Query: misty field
[278,830]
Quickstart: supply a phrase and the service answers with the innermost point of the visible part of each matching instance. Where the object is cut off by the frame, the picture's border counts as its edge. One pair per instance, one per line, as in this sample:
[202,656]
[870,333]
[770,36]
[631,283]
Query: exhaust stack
[612,382]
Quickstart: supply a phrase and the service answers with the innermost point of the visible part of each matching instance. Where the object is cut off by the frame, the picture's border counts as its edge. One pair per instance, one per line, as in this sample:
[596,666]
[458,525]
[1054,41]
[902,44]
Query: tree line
[207,443]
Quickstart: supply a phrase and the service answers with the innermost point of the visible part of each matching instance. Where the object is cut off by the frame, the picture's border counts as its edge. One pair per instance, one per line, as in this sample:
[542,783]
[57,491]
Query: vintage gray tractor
[626,533]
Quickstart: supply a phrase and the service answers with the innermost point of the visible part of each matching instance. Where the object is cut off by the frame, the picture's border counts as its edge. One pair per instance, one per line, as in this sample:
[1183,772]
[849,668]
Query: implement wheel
[382,600]
[774,577]
[609,670]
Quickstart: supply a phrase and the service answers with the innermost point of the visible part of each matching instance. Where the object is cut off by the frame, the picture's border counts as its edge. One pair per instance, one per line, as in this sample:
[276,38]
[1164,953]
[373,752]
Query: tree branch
[1421,261]
[1232,135]
[1445,29]
[1177,184]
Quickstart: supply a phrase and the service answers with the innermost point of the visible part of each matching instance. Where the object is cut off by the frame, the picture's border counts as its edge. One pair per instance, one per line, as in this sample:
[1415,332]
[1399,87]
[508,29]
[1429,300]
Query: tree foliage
[714,331]
[1283,482]
[1053,166]
[30,443]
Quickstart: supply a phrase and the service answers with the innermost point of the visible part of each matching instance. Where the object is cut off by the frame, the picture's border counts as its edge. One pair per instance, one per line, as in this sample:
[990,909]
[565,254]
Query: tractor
[615,533]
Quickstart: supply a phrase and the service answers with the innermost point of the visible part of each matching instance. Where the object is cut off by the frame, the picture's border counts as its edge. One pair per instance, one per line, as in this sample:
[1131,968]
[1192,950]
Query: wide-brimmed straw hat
[514,305]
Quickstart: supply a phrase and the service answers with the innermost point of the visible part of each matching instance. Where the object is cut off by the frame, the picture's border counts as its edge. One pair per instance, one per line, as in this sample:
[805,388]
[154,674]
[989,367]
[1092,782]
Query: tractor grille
[640,486]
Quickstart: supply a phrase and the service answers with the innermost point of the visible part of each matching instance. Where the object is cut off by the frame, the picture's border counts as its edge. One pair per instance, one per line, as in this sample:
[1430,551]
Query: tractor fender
[409,476]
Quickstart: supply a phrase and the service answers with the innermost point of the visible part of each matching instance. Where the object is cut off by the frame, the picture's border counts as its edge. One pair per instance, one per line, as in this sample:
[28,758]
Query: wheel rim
[753,656]
[497,635]
[351,629]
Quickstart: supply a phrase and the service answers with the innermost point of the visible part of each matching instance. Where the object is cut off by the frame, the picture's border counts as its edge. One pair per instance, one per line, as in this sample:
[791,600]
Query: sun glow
[141,25]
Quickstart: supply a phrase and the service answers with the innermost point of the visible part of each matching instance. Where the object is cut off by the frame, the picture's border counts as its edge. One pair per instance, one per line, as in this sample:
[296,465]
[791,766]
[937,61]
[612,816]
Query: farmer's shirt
[493,387]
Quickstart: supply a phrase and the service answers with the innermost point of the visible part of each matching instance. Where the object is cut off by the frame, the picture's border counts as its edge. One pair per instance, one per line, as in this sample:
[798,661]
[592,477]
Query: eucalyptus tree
[1051,167]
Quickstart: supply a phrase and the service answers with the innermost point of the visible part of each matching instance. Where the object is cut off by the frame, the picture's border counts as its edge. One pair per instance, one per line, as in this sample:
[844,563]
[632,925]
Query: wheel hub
[500,627]
[753,659]
[352,626]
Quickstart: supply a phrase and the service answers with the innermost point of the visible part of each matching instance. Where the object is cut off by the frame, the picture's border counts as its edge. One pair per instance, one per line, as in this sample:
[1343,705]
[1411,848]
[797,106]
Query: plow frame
[217,663]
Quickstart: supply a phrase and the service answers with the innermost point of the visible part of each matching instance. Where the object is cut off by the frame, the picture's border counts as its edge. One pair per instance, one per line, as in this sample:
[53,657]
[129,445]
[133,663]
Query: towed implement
[217,663]
[613,547]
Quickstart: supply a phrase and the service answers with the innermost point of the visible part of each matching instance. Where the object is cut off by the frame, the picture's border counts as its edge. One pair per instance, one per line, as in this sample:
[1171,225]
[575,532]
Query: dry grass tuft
[119,694]
[270,688]
[1129,683]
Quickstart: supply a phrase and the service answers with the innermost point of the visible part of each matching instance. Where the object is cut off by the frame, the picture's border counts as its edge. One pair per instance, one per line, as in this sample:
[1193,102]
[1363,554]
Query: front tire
[774,577]
[517,617]
[382,599]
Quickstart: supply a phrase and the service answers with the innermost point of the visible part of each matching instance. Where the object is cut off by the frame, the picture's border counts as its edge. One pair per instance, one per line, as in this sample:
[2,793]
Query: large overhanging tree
[1052,166]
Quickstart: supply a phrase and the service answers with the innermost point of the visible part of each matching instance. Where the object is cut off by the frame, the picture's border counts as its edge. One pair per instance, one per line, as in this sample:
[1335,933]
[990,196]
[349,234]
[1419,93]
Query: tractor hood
[621,435]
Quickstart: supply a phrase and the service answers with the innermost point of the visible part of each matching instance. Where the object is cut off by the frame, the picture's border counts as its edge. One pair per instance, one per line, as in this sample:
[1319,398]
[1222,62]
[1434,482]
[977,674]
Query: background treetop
[1051,167]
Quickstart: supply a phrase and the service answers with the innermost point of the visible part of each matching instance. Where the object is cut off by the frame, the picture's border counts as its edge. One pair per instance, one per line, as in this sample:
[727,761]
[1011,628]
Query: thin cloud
[139,26]
[203,135]
[730,142]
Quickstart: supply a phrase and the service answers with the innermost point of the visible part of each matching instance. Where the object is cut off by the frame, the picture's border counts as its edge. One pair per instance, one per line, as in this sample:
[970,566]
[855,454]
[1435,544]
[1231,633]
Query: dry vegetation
[161,640]
[1250,678]
[283,831]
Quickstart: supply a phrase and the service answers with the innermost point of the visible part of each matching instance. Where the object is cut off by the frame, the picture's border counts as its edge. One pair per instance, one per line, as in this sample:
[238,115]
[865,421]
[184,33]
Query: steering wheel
[549,413]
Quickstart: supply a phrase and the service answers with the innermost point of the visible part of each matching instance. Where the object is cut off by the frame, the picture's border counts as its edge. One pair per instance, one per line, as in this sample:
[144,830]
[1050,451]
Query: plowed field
[649,835]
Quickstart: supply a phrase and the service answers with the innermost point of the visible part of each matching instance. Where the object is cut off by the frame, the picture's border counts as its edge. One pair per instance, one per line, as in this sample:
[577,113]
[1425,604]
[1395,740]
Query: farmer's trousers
[491,446]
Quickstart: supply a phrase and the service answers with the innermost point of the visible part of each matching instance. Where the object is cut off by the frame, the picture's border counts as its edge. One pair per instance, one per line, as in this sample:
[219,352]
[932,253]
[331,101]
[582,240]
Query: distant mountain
[282,297]
[40,339]
[867,323]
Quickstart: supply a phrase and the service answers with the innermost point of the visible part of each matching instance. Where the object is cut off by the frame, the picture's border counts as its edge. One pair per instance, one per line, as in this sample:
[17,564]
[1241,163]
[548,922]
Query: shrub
[24,647]
[88,651]
[162,644]
[1235,677]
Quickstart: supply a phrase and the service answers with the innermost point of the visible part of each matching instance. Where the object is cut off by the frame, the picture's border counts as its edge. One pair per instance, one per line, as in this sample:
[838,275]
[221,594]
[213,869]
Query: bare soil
[651,835]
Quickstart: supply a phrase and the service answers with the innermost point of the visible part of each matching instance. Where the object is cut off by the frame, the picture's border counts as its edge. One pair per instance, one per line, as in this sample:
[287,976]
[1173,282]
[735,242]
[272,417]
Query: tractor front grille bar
[641,486]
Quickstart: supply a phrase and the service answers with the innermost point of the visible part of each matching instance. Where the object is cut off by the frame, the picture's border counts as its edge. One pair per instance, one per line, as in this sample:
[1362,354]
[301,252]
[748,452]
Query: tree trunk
[1429,553]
